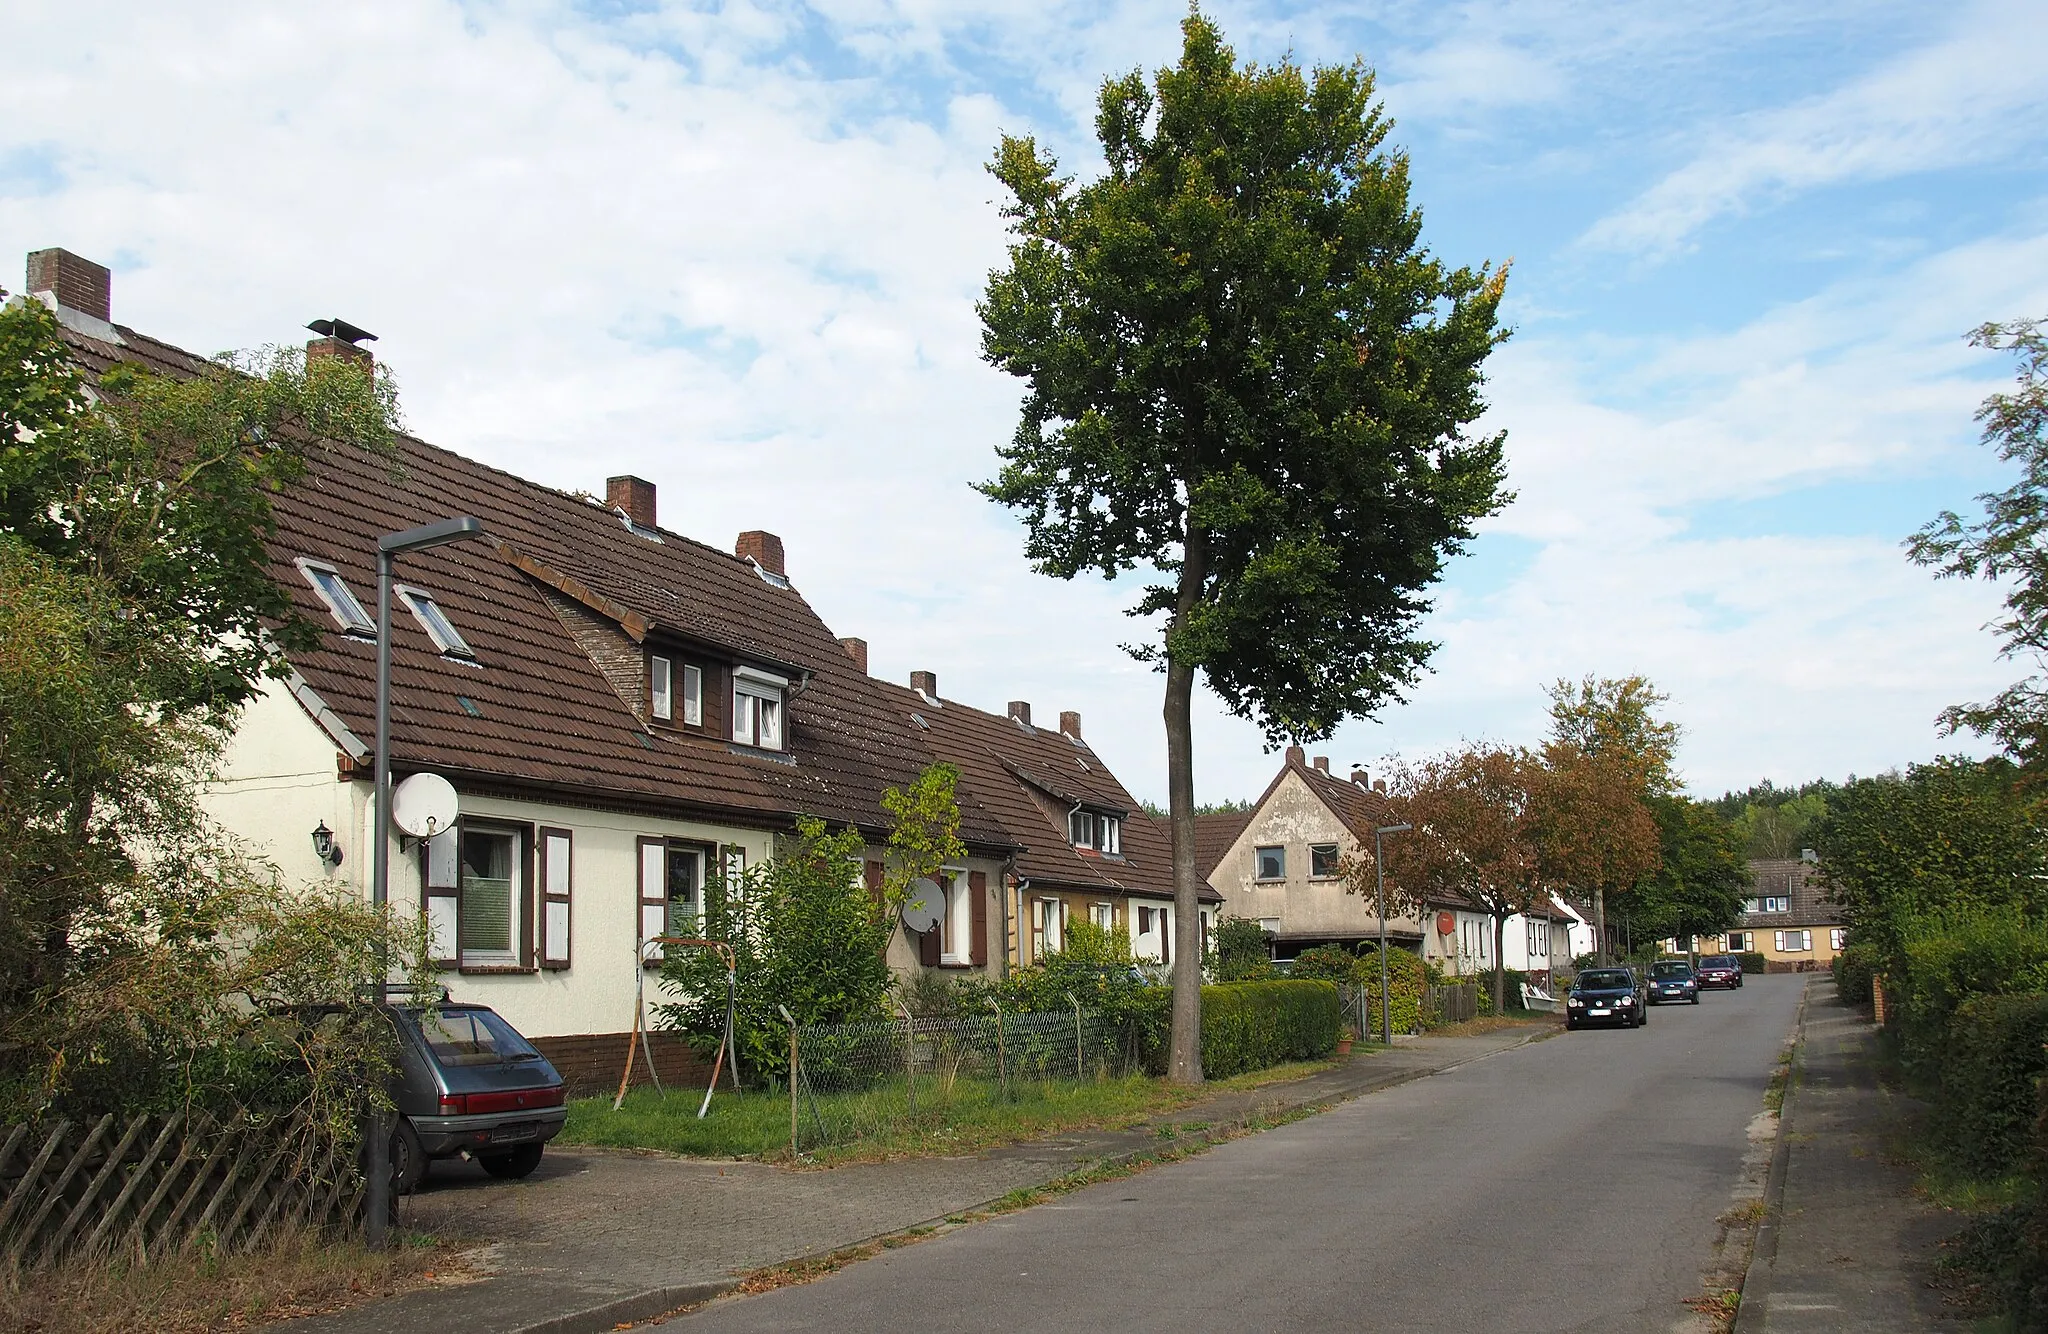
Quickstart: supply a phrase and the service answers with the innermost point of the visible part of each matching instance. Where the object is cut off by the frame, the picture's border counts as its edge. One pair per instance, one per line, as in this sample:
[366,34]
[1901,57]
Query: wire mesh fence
[863,1080]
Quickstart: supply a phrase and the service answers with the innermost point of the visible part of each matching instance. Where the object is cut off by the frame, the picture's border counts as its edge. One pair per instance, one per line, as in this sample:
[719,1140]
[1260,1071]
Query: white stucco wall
[1301,905]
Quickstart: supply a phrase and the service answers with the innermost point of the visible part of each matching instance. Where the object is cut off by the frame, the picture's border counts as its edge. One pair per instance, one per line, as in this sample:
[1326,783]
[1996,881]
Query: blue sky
[734,247]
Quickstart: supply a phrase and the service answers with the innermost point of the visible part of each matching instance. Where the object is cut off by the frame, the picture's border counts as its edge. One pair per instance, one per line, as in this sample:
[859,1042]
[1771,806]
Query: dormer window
[757,718]
[341,603]
[1096,831]
[435,622]
[670,684]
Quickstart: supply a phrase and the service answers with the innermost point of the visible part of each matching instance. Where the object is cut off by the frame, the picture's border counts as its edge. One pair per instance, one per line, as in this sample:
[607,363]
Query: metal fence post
[1077,1035]
[909,1055]
[792,1077]
[1002,1057]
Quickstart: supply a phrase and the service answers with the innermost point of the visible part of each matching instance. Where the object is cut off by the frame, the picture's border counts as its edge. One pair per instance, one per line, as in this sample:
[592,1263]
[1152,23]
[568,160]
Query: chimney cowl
[634,497]
[925,683]
[1070,723]
[764,549]
[1020,709]
[857,649]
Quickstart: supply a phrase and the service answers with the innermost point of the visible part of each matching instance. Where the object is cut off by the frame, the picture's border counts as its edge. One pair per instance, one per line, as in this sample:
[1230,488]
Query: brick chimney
[1296,755]
[928,682]
[1070,723]
[764,548]
[634,495]
[1363,779]
[1020,709]
[1322,763]
[857,649]
[77,283]
[341,350]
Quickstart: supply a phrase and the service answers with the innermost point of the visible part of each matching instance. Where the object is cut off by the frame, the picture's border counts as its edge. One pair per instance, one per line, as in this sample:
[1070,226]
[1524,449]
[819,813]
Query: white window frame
[1777,903]
[1048,926]
[1752,905]
[1258,866]
[1103,915]
[1838,938]
[1739,942]
[515,916]
[1081,828]
[341,601]
[661,674]
[1109,839]
[427,611]
[693,697]
[1805,939]
[751,690]
[956,924]
[1336,852]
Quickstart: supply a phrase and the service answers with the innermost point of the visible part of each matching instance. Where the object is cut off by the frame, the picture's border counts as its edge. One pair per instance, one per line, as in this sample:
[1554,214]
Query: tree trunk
[1500,964]
[1599,925]
[1184,1059]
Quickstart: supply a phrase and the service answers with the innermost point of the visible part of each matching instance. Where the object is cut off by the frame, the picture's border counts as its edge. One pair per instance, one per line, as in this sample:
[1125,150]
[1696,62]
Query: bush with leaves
[1251,1025]
[1241,951]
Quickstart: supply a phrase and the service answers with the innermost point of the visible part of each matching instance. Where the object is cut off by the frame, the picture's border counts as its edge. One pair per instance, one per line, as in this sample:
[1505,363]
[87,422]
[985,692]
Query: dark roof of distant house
[535,709]
[1026,779]
[1214,834]
[1794,879]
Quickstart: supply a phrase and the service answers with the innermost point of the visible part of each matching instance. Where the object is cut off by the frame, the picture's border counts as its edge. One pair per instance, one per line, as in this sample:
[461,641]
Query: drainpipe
[1009,874]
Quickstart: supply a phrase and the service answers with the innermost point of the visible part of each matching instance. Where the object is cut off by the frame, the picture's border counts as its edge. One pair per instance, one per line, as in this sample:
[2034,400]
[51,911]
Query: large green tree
[1702,875]
[2010,544]
[1607,731]
[1246,376]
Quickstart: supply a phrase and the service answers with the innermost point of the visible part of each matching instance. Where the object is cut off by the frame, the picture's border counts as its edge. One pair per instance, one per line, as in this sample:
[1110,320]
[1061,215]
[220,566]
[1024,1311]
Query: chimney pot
[1020,709]
[1296,755]
[1322,763]
[928,682]
[764,548]
[76,282]
[634,495]
[1070,723]
[857,649]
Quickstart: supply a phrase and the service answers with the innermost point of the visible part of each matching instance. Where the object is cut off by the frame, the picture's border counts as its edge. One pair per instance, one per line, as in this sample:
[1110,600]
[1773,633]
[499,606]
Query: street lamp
[1379,866]
[389,548]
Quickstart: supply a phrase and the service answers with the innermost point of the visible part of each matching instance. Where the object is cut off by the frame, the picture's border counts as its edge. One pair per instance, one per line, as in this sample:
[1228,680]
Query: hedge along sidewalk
[597,1237]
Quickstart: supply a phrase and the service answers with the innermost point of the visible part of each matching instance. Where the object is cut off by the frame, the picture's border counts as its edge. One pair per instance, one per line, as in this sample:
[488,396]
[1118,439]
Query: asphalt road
[1572,1184]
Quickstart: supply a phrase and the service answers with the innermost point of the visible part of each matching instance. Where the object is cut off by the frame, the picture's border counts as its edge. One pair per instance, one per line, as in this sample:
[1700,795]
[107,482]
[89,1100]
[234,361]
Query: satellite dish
[921,909]
[424,805]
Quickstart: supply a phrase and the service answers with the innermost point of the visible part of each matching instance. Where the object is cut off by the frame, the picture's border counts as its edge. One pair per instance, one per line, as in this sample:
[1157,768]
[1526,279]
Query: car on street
[1606,996]
[470,1086]
[1720,970]
[1672,981]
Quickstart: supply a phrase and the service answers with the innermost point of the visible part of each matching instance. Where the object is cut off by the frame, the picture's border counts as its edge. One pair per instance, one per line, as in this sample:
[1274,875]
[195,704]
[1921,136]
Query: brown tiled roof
[1214,833]
[1026,779]
[535,710]
[1799,881]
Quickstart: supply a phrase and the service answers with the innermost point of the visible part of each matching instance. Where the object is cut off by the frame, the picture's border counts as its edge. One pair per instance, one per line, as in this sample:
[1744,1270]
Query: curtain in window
[486,920]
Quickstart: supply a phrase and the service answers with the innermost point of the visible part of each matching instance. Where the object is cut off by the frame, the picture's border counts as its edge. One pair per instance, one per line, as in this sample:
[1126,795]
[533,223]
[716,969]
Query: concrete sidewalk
[1847,1245]
[597,1238]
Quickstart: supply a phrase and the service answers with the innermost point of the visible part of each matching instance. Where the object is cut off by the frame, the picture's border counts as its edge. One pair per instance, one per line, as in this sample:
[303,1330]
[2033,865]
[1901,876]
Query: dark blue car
[1610,996]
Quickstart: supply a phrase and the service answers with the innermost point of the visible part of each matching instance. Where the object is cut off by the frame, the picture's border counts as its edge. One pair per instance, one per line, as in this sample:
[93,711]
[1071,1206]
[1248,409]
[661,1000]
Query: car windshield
[1676,972]
[1607,979]
[472,1037]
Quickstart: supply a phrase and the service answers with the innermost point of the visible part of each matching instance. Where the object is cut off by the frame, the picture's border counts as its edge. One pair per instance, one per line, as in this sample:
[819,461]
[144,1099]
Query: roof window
[341,603]
[435,622]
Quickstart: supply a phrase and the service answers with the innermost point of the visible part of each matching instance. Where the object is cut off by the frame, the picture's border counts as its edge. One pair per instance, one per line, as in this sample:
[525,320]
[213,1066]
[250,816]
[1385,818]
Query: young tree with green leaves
[2009,543]
[1246,374]
[1702,876]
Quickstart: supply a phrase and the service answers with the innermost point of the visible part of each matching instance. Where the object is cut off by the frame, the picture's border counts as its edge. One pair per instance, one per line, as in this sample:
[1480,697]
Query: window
[1837,938]
[435,622]
[661,693]
[757,708]
[1738,941]
[693,696]
[1322,861]
[671,890]
[1081,829]
[1539,942]
[341,603]
[1103,915]
[957,926]
[1047,917]
[1089,829]
[1272,863]
[487,922]
[1779,904]
[1794,942]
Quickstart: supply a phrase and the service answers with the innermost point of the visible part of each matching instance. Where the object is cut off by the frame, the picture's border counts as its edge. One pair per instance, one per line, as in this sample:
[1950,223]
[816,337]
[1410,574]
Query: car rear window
[1610,980]
[1678,970]
[472,1037]
[1718,961]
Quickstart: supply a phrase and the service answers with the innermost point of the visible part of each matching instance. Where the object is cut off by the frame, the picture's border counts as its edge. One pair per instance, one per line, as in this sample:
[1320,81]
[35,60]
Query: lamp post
[1379,866]
[389,548]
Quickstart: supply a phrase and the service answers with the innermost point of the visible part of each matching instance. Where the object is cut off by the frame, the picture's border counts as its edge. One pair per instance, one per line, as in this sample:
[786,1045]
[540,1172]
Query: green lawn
[971,1116]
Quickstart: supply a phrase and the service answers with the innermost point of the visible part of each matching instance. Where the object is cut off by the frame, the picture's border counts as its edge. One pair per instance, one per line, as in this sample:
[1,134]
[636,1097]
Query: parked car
[1606,996]
[1672,980]
[1719,970]
[470,1084]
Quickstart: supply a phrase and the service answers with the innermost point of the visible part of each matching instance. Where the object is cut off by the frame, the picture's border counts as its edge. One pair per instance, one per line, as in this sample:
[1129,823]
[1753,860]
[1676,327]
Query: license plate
[518,1130]
[1600,1013]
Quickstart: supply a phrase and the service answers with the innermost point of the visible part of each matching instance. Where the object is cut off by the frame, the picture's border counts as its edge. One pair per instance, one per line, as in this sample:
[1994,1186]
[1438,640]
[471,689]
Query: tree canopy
[1247,379]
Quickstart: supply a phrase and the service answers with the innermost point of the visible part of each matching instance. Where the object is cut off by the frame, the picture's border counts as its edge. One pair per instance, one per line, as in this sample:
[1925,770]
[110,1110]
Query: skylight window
[341,603]
[435,622]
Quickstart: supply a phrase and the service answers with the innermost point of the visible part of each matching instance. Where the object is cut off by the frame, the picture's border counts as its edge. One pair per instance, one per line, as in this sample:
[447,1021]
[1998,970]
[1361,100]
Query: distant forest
[1773,821]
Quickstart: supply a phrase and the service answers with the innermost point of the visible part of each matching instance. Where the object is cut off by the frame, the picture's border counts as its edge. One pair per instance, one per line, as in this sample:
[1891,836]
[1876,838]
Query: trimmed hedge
[1752,962]
[1991,1066]
[1251,1025]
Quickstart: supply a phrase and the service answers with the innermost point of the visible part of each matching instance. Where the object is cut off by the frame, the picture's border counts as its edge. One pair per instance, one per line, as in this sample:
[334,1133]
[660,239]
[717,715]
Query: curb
[630,1309]
[1763,1250]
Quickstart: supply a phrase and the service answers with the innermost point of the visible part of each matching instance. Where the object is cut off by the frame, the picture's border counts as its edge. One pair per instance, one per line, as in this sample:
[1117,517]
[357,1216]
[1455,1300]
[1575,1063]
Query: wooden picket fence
[147,1186]
[1451,1003]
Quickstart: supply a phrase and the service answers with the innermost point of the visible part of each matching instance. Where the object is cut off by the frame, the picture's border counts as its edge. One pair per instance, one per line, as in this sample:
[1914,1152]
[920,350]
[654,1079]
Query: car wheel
[1695,998]
[1571,1025]
[408,1159]
[513,1166]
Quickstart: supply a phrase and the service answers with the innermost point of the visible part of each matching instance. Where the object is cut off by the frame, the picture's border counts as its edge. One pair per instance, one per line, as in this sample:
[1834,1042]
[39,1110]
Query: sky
[735,248]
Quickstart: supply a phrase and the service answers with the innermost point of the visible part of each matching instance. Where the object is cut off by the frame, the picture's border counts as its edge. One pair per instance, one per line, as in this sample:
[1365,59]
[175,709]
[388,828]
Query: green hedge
[1251,1025]
[1990,1069]
[1334,963]
[1855,970]
[1751,961]
[1945,963]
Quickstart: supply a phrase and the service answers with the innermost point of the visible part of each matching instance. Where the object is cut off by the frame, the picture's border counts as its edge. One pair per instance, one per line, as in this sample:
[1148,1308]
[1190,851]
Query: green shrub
[1949,958]
[1241,953]
[1991,1065]
[1251,1025]
[1405,977]
[1855,969]
[1752,962]
[1325,963]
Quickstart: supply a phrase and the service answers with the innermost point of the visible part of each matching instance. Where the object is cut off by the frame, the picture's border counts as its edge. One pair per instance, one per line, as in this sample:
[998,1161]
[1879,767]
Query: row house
[1788,918]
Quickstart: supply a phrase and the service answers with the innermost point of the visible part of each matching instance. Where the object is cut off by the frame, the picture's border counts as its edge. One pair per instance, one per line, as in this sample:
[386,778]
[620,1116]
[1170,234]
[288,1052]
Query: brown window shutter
[873,873]
[555,861]
[928,946]
[977,889]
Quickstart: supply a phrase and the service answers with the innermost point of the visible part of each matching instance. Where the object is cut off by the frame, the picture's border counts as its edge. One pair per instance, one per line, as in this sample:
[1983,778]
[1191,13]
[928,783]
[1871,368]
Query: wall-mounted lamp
[324,846]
